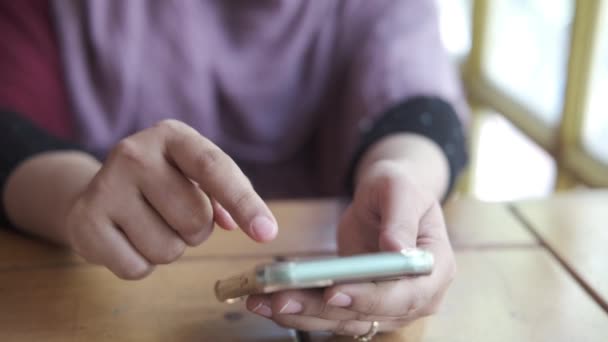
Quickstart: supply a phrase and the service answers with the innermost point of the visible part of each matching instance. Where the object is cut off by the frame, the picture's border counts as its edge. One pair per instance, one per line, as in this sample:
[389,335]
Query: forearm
[424,161]
[40,190]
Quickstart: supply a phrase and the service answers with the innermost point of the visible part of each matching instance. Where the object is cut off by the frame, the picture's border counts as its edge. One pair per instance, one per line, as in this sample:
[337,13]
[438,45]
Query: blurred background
[536,73]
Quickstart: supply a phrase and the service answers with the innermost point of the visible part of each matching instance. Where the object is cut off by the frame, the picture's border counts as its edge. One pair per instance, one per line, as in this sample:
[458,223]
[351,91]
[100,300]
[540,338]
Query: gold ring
[373,330]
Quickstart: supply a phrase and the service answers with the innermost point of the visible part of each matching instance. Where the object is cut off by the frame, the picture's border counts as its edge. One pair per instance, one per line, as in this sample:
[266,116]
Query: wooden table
[87,303]
[508,295]
[479,225]
[510,287]
[574,227]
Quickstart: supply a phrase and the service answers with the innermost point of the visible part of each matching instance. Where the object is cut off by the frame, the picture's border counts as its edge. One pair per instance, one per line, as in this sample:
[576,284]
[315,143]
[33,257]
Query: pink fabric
[30,68]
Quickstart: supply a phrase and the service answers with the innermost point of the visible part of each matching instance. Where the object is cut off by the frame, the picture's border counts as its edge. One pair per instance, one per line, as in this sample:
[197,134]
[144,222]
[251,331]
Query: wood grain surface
[88,303]
[507,295]
[575,227]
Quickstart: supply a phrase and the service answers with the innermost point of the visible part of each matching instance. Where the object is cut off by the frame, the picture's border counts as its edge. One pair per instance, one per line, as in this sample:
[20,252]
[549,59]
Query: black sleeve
[19,140]
[427,116]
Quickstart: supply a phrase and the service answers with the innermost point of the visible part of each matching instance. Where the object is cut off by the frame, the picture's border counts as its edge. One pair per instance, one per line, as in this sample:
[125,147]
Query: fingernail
[262,228]
[292,307]
[340,299]
[263,310]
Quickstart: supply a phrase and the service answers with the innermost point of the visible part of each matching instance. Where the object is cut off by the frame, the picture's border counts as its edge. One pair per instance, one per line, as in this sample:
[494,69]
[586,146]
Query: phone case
[325,272]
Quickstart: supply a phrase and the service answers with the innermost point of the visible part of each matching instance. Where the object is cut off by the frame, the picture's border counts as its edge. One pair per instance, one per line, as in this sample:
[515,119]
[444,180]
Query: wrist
[435,123]
[408,154]
[47,185]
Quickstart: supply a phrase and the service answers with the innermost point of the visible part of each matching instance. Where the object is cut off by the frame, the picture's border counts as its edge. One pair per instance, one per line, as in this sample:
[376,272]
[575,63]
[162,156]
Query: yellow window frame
[564,143]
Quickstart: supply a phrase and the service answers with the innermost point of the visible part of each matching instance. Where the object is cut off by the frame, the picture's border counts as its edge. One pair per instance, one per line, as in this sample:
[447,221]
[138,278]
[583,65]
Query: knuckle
[196,225]
[100,185]
[392,177]
[172,251]
[365,317]
[128,150]
[175,249]
[200,220]
[341,328]
[324,310]
[372,303]
[133,272]
[193,225]
[390,171]
[418,304]
[209,160]
[350,328]
[81,223]
[370,306]
[194,240]
[170,126]
[387,182]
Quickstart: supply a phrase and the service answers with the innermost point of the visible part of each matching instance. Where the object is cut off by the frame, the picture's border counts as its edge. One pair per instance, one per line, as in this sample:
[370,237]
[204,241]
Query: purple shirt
[283,86]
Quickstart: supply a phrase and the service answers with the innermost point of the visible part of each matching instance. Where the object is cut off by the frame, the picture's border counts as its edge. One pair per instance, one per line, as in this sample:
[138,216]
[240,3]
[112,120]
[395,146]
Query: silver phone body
[325,272]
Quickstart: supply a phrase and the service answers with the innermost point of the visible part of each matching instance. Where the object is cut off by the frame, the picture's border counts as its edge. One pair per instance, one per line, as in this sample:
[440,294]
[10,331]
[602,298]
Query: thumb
[393,240]
[400,214]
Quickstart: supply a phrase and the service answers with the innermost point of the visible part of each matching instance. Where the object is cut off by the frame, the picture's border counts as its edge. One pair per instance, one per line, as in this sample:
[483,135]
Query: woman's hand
[160,190]
[389,212]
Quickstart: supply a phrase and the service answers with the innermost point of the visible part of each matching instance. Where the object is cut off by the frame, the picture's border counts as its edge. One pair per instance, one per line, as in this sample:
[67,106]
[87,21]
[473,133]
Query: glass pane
[509,165]
[595,130]
[528,51]
[455,26]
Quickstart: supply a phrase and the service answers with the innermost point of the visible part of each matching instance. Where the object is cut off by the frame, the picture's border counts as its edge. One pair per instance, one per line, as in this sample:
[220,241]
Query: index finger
[219,176]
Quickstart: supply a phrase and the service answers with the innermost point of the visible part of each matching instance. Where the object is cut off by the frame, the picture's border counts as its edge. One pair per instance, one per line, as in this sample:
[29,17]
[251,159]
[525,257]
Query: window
[455,26]
[595,130]
[510,166]
[527,57]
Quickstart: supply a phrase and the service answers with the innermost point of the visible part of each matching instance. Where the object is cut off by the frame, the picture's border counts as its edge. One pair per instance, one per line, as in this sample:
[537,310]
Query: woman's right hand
[158,191]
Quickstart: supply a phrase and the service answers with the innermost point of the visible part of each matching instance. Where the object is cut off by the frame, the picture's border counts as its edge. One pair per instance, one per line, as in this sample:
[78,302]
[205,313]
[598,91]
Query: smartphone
[272,277]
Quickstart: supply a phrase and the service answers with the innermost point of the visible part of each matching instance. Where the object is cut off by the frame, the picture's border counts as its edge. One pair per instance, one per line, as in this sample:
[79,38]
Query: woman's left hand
[389,212]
